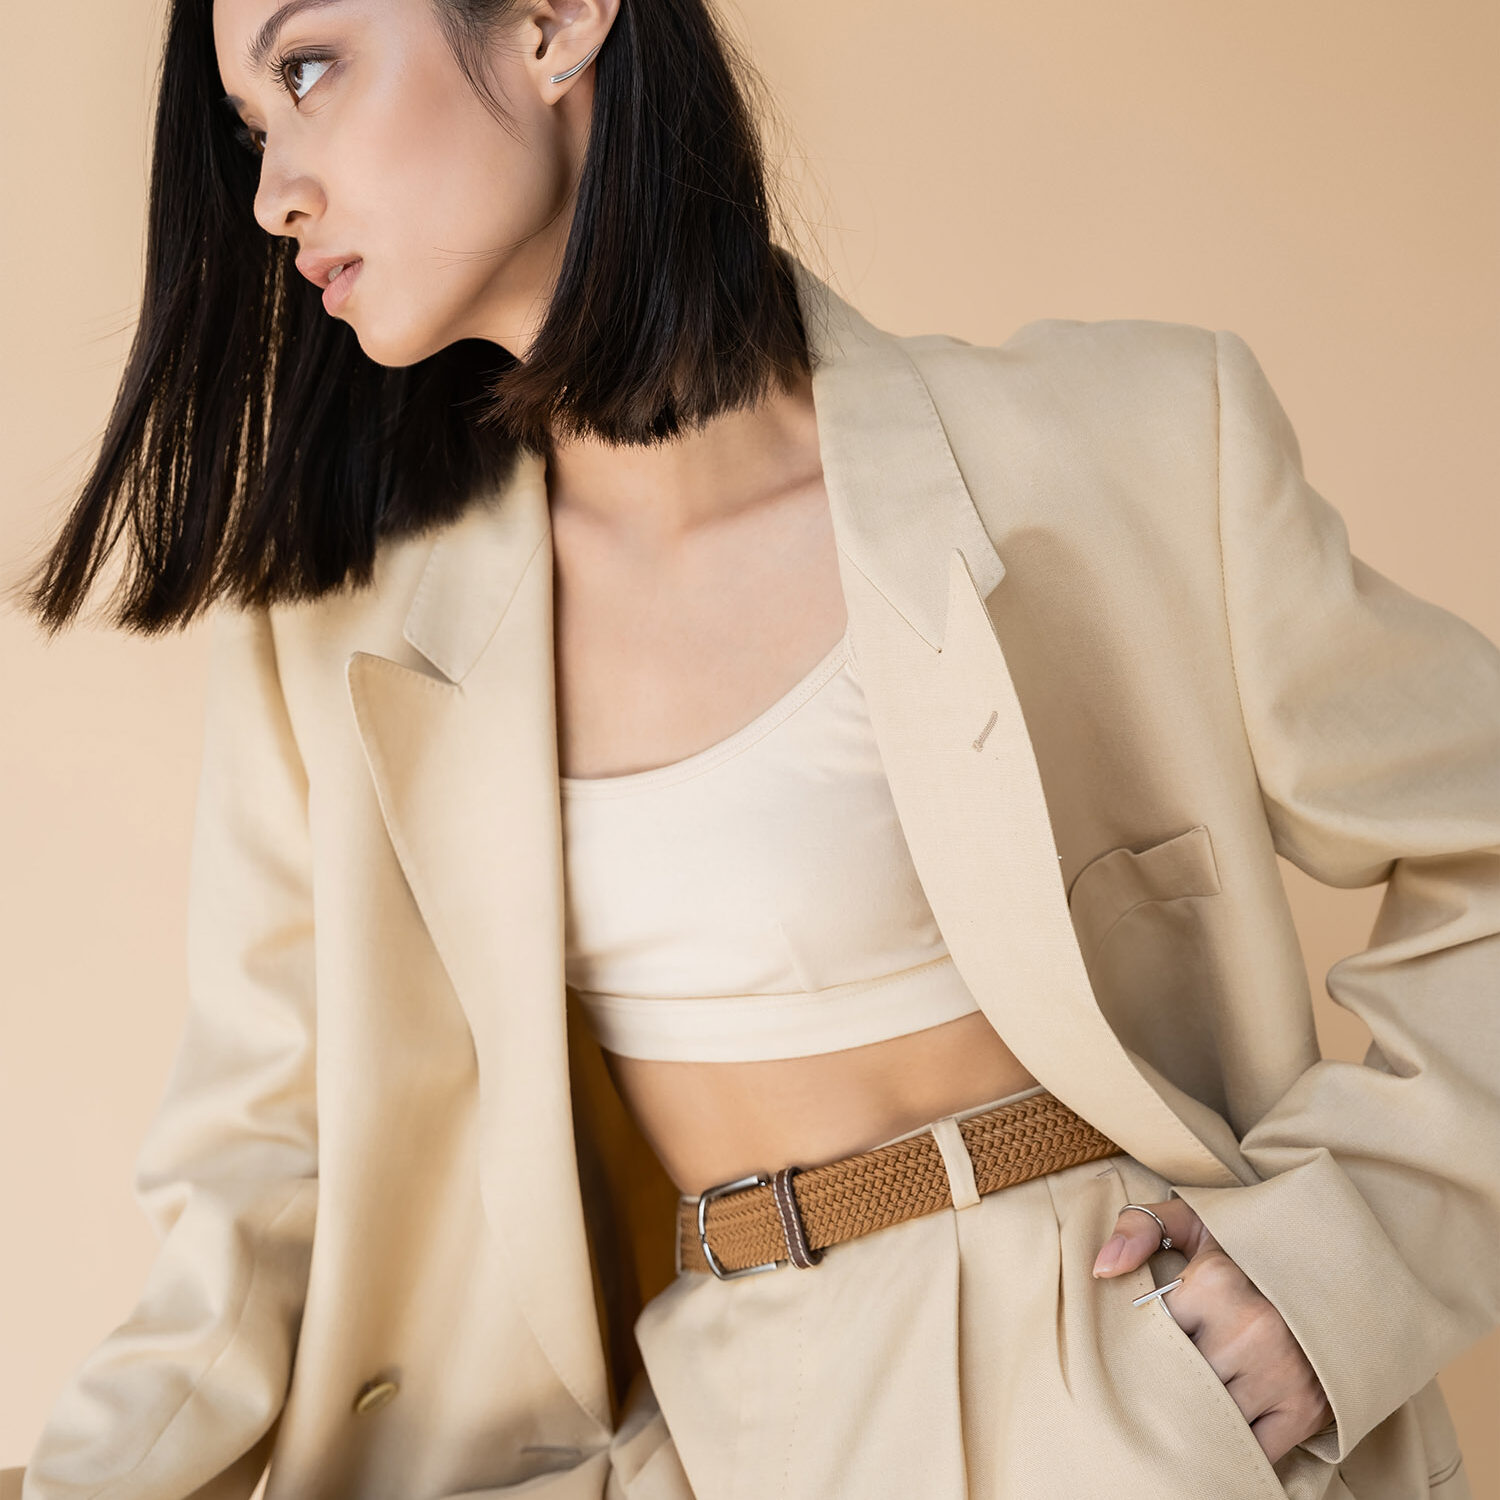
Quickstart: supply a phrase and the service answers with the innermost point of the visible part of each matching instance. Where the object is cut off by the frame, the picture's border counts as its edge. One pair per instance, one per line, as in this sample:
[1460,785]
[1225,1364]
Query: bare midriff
[710,1122]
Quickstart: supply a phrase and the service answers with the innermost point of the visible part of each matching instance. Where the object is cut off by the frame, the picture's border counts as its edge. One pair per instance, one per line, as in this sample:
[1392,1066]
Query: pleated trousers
[968,1354]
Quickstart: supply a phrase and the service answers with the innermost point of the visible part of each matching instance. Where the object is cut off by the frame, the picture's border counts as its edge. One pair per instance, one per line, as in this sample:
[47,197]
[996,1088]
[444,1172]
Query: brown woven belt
[758,1222]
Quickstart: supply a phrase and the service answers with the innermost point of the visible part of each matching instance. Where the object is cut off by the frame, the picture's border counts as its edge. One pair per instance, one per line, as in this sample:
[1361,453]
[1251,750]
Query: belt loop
[956,1160]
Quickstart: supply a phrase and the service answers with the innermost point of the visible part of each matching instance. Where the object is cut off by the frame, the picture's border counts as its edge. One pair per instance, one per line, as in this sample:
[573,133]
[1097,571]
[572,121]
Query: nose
[286,196]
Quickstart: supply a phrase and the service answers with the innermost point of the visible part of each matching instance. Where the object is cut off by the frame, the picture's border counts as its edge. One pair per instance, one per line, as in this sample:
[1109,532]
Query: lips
[324,270]
[340,286]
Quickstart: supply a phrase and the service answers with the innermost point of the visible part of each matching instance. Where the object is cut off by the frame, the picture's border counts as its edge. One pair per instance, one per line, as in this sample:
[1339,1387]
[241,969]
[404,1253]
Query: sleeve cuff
[1324,1444]
[1373,1333]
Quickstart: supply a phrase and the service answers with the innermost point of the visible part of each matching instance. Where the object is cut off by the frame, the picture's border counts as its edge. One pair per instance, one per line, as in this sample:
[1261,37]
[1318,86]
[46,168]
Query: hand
[1237,1330]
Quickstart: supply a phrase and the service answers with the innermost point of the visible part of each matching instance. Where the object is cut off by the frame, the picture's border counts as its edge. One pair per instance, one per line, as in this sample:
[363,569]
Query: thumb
[1137,1236]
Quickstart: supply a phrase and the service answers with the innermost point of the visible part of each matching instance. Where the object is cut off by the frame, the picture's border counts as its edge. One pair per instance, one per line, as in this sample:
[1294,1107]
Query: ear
[565,37]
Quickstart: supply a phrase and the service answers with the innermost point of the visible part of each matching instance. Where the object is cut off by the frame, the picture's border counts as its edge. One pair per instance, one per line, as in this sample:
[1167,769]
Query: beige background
[1320,178]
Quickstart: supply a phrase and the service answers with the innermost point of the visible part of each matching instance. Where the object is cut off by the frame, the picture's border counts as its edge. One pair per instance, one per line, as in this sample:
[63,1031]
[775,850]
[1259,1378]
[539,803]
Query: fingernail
[1109,1256]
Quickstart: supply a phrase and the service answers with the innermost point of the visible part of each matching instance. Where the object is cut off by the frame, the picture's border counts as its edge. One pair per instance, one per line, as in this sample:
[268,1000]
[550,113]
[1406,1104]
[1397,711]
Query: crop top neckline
[769,908]
[833,661]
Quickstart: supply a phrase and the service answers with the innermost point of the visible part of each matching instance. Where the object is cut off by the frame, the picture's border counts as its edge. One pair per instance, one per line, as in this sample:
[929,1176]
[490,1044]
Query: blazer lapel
[917,565]
[465,767]
[969,796]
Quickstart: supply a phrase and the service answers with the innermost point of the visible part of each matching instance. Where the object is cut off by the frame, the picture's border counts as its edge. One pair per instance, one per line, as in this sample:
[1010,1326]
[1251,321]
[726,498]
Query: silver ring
[1158,1293]
[558,77]
[1166,1239]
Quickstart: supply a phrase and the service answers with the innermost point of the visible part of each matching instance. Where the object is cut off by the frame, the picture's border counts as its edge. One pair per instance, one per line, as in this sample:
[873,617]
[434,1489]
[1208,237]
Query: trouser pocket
[1208,1428]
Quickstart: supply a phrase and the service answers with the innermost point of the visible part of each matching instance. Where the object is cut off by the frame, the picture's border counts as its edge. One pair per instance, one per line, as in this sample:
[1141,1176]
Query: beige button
[373,1395]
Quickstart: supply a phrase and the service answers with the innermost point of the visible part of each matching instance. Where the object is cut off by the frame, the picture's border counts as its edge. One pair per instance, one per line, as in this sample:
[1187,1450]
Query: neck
[661,493]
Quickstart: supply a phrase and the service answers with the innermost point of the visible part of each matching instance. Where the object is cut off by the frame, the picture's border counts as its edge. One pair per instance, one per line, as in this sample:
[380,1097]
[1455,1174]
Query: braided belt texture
[843,1199]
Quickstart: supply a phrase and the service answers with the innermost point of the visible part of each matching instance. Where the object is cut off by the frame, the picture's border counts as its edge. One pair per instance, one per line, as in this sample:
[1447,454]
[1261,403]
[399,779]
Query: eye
[254,141]
[297,72]
[295,67]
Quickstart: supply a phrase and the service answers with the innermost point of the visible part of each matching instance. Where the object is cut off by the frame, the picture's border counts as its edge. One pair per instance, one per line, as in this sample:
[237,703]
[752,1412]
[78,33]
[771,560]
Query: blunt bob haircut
[255,453]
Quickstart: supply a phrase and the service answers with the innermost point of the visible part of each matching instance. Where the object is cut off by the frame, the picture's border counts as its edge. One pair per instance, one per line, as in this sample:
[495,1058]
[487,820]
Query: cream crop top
[757,899]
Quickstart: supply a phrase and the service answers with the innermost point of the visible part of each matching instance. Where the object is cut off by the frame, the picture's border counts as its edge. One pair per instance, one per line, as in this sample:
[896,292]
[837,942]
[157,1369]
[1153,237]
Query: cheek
[449,206]
[471,197]
[441,200]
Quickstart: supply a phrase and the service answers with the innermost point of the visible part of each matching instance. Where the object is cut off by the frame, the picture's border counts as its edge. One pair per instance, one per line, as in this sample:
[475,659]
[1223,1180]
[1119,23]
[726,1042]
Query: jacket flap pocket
[1114,882]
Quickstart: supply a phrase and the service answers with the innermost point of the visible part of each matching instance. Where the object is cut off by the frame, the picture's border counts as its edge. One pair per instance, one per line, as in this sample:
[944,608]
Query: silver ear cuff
[558,77]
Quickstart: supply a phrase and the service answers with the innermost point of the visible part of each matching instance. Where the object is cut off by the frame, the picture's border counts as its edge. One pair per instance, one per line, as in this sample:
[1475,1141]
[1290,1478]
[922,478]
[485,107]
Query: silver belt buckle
[756,1179]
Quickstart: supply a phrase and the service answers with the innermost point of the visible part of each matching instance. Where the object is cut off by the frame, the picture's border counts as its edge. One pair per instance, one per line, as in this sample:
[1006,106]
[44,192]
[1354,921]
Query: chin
[397,343]
[393,350]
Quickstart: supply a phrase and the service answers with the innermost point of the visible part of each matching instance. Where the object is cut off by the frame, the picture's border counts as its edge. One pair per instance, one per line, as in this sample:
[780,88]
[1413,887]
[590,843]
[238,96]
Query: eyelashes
[284,69]
[285,65]
[252,140]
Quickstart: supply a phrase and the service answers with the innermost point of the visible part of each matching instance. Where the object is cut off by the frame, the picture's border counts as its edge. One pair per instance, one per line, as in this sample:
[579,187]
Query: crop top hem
[761,1027]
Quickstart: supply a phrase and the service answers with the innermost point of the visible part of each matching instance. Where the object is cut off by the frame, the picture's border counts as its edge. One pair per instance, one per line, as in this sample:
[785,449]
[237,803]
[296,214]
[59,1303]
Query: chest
[664,646]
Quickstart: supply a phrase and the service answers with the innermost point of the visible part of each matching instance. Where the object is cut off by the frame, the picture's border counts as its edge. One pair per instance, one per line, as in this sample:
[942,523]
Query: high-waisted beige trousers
[969,1354]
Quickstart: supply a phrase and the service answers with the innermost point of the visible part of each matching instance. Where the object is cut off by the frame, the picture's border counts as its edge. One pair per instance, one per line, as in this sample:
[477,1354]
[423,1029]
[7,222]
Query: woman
[614,788]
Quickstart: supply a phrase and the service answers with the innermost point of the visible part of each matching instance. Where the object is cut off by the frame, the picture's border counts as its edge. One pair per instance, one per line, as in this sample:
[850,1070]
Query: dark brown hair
[254,452]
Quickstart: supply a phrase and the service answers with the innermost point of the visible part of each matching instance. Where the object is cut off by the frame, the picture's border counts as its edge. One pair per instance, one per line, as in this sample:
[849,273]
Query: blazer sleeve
[1373,717]
[182,1399]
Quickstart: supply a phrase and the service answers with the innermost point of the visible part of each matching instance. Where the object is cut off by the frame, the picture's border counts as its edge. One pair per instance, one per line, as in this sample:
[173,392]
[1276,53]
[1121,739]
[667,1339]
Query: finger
[1264,1371]
[1137,1236]
[1222,1314]
[1187,1306]
[1213,1286]
[1279,1430]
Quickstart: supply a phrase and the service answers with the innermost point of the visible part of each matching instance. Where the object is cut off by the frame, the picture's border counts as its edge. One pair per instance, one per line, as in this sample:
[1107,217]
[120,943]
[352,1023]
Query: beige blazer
[1117,656]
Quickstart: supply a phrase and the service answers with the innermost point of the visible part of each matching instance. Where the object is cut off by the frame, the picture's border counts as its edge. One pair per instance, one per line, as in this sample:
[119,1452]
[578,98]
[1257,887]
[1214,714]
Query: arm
[182,1398]
[1374,720]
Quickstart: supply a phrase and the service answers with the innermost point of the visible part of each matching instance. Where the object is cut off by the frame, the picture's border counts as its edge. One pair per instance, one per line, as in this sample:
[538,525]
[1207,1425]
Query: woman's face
[374,147]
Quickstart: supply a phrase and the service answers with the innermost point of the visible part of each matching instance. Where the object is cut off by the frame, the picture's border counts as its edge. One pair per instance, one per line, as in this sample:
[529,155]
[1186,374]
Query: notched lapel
[466,775]
[968,791]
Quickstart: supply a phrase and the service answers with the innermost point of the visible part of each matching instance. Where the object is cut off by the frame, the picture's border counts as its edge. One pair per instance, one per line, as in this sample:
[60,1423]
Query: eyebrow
[264,39]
